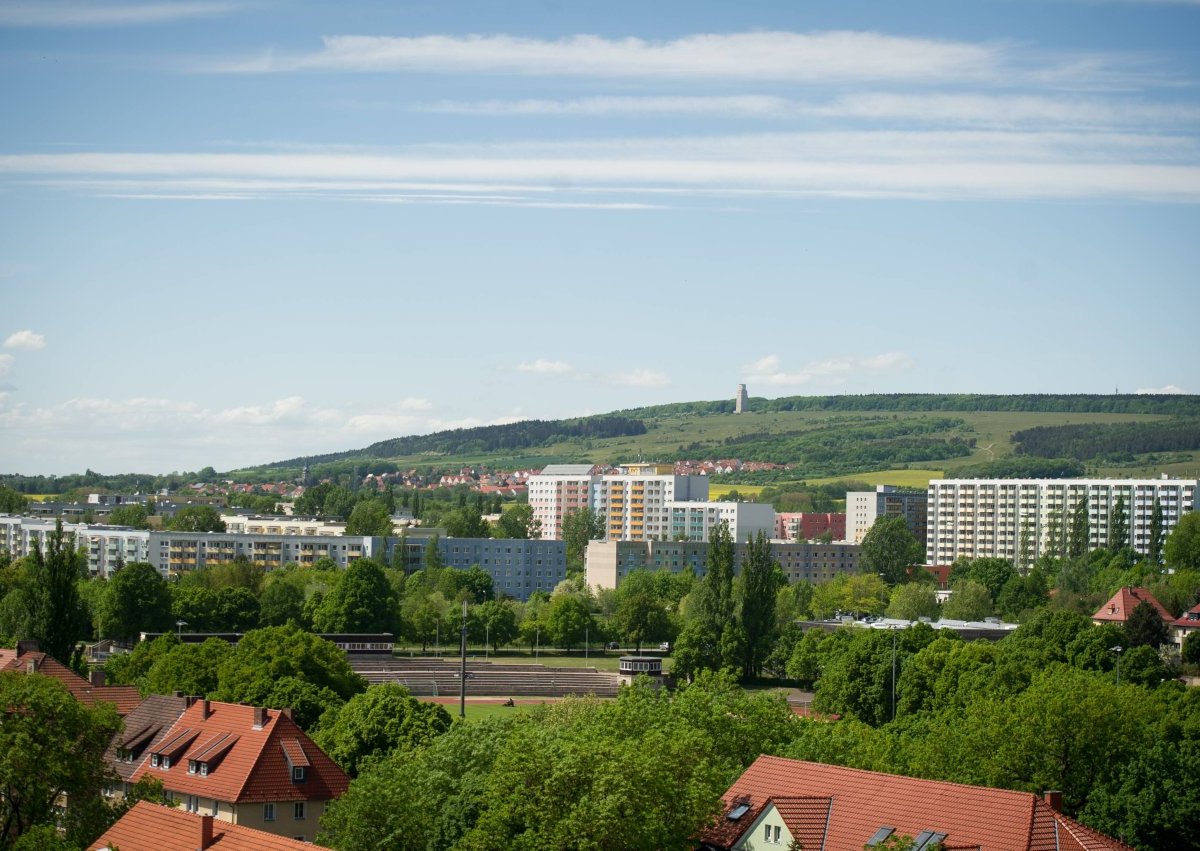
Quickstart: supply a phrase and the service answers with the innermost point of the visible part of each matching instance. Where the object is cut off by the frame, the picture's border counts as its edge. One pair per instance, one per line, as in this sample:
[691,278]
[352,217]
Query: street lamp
[893,675]
[179,625]
[1117,649]
[537,638]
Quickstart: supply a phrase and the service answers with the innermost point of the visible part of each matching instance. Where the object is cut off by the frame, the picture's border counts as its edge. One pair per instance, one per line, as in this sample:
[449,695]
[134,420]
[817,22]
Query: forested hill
[1081,403]
[497,438]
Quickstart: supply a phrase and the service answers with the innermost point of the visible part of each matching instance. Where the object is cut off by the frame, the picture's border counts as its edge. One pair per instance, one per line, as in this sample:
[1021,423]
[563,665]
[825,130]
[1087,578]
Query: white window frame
[300,811]
[268,812]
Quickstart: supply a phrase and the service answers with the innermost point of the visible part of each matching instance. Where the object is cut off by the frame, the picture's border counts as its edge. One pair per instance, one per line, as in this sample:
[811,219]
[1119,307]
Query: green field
[899,478]
[717,491]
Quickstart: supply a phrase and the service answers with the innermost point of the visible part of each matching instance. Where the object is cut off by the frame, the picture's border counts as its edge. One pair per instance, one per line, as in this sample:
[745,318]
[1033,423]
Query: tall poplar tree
[1118,526]
[58,615]
[1078,542]
[1154,551]
[761,579]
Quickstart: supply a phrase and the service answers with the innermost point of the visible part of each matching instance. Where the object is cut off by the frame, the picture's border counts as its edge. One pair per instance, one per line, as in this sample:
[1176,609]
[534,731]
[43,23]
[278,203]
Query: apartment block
[863,508]
[176,552]
[806,525]
[517,567]
[609,562]
[106,547]
[693,521]
[558,490]
[255,524]
[1023,519]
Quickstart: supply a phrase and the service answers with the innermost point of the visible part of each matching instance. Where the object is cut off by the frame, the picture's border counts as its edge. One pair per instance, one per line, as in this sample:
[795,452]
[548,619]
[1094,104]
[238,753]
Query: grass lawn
[715,492]
[899,478]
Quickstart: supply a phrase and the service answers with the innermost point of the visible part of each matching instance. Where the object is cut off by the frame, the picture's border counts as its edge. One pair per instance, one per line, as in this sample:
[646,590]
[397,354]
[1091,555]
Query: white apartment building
[558,490]
[863,508]
[693,521]
[1019,519]
[106,547]
[635,504]
[255,524]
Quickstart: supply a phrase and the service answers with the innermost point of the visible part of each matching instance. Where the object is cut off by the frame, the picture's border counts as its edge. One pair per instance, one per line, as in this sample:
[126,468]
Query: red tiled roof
[245,762]
[1121,606]
[1189,619]
[124,698]
[151,827]
[860,802]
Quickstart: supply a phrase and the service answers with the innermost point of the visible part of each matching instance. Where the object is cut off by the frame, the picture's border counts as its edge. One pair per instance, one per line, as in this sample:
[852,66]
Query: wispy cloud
[769,370]
[49,13]
[1170,389]
[546,367]
[6,365]
[947,109]
[786,56]
[25,339]
[915,164]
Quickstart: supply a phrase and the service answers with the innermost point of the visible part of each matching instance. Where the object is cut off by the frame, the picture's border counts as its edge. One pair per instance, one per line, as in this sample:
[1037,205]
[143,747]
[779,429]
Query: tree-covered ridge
[1118,441]
[1070,403]
[853,447]
[461,441]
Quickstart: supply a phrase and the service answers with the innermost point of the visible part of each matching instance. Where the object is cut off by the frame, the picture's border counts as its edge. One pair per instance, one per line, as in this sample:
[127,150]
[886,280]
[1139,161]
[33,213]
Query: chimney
[286,712]
[205,711]
[1054,799]
[260,717]
[96,678]
[33,665]
[28,645]
[206,832]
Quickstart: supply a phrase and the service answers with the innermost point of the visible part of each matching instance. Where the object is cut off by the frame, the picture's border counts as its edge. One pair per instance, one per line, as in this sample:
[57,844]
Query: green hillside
[822,437]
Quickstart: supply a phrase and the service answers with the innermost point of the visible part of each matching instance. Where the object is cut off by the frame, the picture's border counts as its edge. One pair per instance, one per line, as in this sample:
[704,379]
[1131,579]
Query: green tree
[433,556]
[136,599]
[370,517]
[1182,548]
[57,616]
[711,638]
[1021,595]
[992,573]
[1145,627]
[579,526]
[383,719]
[913,601]
[190,668]
[1027,544]
[133,515]
[641,614]
[499,622]
[51,747]
[1118,526]
[466,522]
[361,601]
[890,549]
[518,522]
[12,502]
[196,518]
[281,601]
[968,601]
[569,620]
[760,580]
[1078,540]
[1155,547]
[266,655]
[1191,648]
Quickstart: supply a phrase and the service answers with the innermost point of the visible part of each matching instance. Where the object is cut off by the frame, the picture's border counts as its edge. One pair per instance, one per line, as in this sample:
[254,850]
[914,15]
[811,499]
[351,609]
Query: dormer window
[154,760]
[298,774]
[191,766]
[204,769]
[165,761]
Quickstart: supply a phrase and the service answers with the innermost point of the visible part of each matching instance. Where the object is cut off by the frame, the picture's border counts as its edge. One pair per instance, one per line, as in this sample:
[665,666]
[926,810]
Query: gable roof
[144,728]
[245,760]
[860,802]
[1189,619]
[1121,605]
[152,827]
[124,698]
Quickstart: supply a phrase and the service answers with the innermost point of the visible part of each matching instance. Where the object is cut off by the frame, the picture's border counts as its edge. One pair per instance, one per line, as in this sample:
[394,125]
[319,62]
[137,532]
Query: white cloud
[641,378]
[915,164]
[1169,389]
[769,370]
[49,13]
[787,56]
[6,363]
[25,340]
[546,367]
[953,109]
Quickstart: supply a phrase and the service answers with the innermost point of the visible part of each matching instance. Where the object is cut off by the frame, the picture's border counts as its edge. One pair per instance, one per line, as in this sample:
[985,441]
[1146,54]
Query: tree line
[1108,442]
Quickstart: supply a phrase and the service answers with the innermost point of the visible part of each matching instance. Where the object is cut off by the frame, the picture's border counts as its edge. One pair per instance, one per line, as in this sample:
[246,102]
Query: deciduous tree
[890,549]
[136,599]
[383,719]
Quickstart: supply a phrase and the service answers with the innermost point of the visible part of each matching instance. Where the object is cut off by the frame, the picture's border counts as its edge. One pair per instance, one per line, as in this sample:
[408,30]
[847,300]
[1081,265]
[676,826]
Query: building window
[298,774]
[268,812]
[192,804]
[299,814]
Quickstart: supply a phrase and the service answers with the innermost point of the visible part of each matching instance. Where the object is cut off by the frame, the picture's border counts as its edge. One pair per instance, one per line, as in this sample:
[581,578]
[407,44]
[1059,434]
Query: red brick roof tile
[124,698]
[145,726]
[1121,606]
[1189,619]
[864,801]
[150,827]
[245,762]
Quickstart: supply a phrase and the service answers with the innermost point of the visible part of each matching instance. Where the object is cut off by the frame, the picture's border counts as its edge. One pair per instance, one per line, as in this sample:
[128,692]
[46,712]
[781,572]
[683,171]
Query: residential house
[1118,609]
[779,801]
[245,765]
[1185,625]
[152,827]
[144,728]
[28,658]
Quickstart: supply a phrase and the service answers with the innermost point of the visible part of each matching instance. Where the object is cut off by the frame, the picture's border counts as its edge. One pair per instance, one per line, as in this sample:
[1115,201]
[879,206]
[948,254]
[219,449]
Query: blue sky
[236,232]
